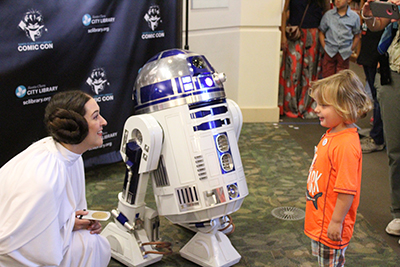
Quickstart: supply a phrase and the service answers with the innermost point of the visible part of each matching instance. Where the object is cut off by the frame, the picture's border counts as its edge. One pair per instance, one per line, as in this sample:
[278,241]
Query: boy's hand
[335,231]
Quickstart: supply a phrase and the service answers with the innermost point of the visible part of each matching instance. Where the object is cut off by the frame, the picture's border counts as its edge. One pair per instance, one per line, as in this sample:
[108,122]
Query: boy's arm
[356,40]
[322,29]
[343,204]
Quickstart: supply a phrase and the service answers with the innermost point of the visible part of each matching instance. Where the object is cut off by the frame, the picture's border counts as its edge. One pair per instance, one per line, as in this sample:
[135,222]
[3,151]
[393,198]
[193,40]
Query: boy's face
[328,116]
[340,4]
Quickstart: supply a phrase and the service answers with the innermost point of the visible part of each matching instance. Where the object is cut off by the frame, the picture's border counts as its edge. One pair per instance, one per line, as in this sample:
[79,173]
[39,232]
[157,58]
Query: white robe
[40,190]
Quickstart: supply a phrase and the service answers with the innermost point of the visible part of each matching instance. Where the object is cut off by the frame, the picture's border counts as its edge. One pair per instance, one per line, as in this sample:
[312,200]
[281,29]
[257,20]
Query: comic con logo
[98,82]
[32,24]
[153,19]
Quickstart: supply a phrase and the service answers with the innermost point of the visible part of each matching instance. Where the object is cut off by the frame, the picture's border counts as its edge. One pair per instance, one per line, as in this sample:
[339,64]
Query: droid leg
[126,246]
[133,243]
[210,247]
[134,234]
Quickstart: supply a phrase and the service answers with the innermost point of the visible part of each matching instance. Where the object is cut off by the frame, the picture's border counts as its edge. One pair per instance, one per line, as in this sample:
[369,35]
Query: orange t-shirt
[336,168]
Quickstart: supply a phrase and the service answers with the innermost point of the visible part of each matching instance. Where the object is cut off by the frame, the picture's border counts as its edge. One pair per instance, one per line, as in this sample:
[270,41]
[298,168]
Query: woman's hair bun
[67,126]
[64,117]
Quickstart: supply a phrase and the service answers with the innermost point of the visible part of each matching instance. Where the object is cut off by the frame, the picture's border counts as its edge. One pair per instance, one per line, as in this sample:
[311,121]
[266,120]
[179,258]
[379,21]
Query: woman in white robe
[42,192]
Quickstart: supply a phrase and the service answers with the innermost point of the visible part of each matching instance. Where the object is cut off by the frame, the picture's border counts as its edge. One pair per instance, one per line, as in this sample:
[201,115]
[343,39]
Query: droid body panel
[184,138]
[200,174]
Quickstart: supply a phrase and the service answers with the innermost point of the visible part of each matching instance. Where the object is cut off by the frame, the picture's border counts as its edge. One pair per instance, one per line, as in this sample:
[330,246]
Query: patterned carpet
[276,170]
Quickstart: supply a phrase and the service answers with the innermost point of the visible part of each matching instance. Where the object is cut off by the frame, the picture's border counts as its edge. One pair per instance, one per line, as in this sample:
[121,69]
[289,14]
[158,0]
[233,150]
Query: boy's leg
[328,65]
[328,256]
[342,64]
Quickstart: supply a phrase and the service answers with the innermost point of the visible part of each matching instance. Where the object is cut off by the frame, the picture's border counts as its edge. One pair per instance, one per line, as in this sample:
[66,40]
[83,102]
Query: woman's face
[95,124]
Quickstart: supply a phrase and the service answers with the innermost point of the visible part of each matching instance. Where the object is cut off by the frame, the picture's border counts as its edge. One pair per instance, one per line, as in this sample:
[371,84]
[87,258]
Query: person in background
[301,59]
[388,96]
[369,58]
[334,180]
[42,192]
[339,36]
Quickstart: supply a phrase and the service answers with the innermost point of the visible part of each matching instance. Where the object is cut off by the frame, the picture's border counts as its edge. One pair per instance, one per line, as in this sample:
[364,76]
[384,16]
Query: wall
[242,39]
[96,46]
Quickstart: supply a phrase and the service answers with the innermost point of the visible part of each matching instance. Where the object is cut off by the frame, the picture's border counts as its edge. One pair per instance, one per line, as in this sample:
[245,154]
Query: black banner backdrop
[97,46]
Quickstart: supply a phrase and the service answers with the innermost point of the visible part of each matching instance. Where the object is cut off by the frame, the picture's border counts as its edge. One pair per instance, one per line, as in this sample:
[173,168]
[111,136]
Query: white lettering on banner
[32,47]
[31,92]
[36,86]
[109,144]
[153,35]
[110,135]
[40,89]
[95,30]
[102,20]
[48,89]
[104,98]
[46,46]
[35,46]
[36,101]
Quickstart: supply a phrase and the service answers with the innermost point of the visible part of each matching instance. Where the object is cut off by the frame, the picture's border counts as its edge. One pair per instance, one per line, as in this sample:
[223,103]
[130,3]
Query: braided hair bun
[64,117]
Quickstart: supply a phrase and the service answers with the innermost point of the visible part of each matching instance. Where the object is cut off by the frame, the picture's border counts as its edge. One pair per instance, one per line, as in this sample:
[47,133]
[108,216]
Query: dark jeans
[376,132]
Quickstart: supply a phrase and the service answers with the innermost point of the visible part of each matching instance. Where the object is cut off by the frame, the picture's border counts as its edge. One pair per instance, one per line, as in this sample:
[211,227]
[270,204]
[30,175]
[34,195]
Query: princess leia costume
[40,190]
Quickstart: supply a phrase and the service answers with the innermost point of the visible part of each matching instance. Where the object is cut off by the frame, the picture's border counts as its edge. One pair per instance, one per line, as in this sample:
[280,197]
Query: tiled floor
[276,168]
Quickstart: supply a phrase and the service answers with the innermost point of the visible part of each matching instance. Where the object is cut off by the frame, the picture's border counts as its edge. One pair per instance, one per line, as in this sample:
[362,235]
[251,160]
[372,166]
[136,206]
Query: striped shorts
[328,256]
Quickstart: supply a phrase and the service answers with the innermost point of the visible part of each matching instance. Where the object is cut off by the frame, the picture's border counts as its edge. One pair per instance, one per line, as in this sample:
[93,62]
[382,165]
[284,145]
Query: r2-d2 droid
[184,137]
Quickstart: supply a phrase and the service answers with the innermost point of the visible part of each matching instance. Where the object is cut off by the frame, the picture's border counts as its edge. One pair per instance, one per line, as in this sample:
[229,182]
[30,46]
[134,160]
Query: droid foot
[211,250]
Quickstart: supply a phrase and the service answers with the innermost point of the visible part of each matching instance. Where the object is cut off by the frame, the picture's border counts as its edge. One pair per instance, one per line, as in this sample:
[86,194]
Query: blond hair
[345,92]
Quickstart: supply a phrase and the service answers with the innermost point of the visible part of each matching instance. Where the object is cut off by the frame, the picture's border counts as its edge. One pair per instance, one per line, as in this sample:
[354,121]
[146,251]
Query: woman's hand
[93,226]
[283,41]
[396,2]
[366,9]
[375,24]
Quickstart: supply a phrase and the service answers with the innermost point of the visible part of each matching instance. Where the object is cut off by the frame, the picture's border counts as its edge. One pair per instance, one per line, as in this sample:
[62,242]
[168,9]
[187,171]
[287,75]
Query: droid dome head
[176,77]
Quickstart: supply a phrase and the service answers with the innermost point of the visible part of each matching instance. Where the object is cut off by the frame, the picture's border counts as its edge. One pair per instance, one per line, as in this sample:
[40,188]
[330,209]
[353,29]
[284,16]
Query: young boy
[339,35]
[334,180]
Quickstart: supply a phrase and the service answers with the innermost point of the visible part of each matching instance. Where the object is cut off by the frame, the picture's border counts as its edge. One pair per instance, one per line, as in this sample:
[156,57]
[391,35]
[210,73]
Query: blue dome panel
[176,77]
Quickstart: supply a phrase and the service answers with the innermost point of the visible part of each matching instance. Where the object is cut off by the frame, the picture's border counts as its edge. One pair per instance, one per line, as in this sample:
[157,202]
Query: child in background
[339,35]
[334,180]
